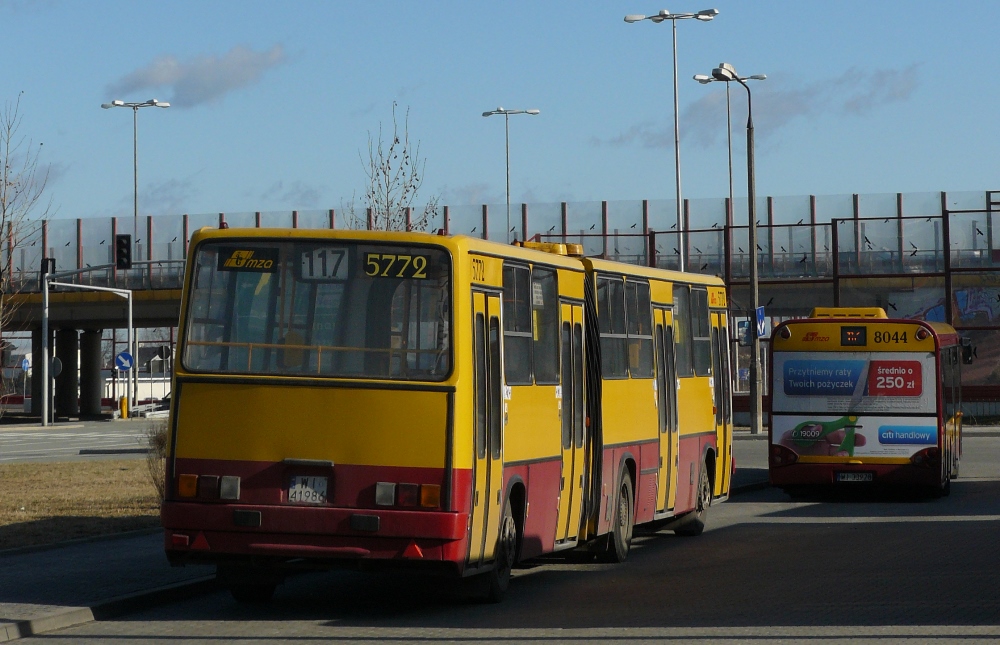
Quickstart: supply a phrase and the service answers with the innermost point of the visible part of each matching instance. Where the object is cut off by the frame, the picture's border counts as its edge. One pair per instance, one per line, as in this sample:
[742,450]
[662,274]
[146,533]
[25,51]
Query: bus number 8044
[890,337]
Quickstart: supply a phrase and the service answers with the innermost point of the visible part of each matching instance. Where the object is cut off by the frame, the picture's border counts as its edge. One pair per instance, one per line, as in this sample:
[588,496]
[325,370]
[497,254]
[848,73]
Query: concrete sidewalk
[64,585]
[48,588]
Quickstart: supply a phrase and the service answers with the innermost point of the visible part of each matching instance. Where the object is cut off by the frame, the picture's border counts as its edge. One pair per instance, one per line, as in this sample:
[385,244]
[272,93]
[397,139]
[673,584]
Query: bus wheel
[506,552]
[694,523]
[619,540]
[252,593]
[954,468]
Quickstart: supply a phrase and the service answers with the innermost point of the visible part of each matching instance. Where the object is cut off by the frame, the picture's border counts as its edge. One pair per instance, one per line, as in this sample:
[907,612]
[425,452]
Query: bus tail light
[922,334]
[209,487]
[411,495]
[187,485]
[782,456]
[229,487]
[430,496]
[927,458]
[385,494]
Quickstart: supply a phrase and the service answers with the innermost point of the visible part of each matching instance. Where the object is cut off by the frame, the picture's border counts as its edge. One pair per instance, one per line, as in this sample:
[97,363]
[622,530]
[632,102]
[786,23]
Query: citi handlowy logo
[814,337]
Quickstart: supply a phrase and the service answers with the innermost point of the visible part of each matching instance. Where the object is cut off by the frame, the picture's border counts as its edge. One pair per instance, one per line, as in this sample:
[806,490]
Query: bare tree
[22,185]
[395,173]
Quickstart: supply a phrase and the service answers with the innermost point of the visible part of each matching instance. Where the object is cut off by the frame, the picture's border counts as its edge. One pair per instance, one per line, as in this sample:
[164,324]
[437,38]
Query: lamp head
[724,72]
[161,104]
[706,14]
[758,77]
[115,103]
[634,17]
[532,111]
[704,80]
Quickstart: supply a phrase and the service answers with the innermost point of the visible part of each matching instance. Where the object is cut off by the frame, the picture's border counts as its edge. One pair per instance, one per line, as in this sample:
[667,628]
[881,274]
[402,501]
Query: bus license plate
[306,489]
[855,477]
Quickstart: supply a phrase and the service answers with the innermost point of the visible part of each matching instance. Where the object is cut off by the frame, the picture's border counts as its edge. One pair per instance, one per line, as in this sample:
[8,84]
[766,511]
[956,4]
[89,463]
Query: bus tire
[954,468]
[619,540]
[694,522]
[506,554]
[252,593]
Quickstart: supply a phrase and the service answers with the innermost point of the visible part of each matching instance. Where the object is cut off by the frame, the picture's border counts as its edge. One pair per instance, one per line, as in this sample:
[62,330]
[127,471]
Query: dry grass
[41,503]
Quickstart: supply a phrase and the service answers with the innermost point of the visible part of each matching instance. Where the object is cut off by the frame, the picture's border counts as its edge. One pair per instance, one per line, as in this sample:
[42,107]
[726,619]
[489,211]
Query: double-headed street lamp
[726,72]
[704,15]
[135,154]
[506,117]
[704,80]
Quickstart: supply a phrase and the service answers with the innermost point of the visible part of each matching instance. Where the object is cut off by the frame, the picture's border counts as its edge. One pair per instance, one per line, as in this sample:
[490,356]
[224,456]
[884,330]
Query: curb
[73,616]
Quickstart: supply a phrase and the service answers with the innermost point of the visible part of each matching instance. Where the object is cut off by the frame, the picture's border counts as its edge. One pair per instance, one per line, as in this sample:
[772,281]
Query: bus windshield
[319,308]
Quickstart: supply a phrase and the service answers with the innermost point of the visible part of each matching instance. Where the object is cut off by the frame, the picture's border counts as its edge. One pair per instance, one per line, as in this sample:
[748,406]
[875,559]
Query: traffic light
[123,251]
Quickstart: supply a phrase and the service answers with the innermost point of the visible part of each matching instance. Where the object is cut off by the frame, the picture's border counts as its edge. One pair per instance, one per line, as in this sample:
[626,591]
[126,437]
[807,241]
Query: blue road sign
[25,364]
[124,361]
[761,325]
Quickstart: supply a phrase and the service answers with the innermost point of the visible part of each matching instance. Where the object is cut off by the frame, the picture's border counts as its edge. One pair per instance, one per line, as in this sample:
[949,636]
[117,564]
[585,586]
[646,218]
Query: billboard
[854,404]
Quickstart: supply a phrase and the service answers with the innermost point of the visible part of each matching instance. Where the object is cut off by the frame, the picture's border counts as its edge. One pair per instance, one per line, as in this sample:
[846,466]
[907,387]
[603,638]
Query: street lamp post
[506,117]
[705,15]
[705,80]
[135,153]
[134,375]
[726,72]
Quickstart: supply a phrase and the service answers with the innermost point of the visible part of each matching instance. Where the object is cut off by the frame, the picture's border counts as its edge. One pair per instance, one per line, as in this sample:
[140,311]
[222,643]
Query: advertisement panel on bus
[853,404]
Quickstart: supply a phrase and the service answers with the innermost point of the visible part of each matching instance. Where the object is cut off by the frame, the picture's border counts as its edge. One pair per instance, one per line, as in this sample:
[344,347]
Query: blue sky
[273,102]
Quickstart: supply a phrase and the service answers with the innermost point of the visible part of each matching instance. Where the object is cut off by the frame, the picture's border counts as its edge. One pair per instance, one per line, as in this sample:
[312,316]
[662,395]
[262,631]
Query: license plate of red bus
[855,477]
[307,489]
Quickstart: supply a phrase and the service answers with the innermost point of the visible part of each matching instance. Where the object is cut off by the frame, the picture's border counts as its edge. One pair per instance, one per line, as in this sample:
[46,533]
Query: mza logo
[257,260]
[814,337]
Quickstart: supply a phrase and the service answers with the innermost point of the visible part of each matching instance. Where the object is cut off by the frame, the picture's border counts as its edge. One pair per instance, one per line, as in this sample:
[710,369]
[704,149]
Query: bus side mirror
[968,351]
[743,333]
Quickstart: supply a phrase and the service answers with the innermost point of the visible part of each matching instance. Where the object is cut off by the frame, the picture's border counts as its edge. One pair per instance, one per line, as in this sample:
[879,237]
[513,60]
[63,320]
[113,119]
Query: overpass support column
[68,381]
[91,384]
[36,370]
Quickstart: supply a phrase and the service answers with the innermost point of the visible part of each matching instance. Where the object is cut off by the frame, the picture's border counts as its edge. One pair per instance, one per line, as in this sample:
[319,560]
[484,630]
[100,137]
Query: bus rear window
[319,308]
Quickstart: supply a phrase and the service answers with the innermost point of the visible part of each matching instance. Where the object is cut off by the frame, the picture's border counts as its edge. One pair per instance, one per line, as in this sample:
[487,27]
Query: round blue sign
[124,361]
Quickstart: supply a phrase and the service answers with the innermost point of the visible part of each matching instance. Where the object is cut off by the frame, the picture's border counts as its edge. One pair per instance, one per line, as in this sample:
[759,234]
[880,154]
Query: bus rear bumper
[219,533]
[826,474]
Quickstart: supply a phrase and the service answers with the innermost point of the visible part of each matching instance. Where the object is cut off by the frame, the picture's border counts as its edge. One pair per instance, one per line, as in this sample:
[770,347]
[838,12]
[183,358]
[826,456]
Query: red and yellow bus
[859,397]
[412,400]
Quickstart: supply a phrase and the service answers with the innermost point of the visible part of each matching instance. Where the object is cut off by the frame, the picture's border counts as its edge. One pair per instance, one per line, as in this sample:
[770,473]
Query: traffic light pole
[48,280]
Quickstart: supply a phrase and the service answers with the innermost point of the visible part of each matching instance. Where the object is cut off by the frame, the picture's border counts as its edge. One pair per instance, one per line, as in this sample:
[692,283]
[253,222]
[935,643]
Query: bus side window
[640,334]
[611,320]
[682,330]
[517,333]
[545,326]
[701,332]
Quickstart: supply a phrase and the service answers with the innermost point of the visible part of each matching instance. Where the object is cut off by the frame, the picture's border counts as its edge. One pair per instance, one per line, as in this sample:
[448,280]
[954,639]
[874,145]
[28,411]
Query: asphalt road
[118,439]
[858,566]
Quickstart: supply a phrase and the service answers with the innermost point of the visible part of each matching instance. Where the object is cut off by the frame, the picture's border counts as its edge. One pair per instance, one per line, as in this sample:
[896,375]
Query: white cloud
[777,101]
[204,79]
[295,194]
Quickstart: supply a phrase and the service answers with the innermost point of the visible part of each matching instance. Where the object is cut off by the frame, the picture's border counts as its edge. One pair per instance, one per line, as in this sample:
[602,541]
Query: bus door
[666,405]
[489,422]
[571,483]
[723,402]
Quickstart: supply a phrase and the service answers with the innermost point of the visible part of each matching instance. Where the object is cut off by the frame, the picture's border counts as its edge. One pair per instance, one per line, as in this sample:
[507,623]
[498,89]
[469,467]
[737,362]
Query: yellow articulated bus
[412,400]
[858,397]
